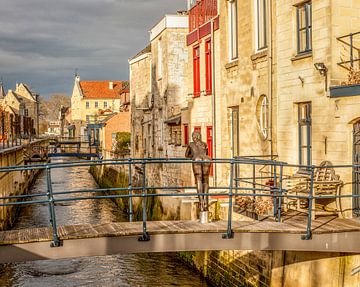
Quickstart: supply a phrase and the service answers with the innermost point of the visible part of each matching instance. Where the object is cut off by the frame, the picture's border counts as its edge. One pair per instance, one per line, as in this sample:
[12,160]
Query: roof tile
[101,89]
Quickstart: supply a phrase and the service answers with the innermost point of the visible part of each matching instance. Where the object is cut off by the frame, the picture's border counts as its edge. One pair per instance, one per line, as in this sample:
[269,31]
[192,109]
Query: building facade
[158,98]
[91,99]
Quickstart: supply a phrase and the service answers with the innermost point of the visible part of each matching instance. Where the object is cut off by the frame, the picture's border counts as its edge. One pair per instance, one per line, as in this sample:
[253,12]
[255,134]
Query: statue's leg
[205,181]
[199,187]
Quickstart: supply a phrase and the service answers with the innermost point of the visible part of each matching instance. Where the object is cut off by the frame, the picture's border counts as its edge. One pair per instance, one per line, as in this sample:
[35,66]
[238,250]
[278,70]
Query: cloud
[42,42]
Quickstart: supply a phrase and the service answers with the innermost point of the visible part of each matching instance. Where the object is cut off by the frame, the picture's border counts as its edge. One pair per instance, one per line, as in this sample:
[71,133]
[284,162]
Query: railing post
[130,192]
[230,234]
[56,241]
[274,192]
[145,236]
[280,192]
[308,235]
[254,190]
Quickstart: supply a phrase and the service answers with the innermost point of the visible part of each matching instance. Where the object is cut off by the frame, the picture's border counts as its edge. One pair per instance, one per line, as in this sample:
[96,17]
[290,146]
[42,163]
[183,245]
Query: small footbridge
[61,147]
[281,227]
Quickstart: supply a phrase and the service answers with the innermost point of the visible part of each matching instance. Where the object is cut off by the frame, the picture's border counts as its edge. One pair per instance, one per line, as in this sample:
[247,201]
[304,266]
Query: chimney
[111,85]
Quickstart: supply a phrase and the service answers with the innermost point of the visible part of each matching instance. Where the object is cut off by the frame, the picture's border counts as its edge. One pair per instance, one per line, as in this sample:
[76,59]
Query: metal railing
[351,42]
[139,187]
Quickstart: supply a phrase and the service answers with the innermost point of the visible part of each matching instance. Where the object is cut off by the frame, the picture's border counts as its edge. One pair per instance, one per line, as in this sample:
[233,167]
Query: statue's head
[196,136]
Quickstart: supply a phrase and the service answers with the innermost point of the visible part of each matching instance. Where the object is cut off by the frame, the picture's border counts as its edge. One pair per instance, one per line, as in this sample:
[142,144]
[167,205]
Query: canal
[117,270]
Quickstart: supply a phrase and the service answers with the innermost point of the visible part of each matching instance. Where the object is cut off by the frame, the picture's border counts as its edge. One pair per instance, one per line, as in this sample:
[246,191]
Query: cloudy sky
[42,42]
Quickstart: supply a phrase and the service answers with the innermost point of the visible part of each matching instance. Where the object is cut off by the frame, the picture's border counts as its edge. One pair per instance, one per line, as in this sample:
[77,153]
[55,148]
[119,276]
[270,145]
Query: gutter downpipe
[213,99]
[270,92]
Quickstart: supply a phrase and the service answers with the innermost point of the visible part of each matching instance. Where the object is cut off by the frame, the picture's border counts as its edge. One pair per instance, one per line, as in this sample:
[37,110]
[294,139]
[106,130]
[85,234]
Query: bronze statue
[197,150]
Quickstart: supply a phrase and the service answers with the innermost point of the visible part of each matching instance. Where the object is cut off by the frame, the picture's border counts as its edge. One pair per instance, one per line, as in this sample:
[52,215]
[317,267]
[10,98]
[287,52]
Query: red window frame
[196,70]
[186,134]
[208,67]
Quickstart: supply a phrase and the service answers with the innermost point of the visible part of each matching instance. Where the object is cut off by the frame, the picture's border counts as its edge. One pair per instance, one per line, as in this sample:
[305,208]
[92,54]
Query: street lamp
[323,71]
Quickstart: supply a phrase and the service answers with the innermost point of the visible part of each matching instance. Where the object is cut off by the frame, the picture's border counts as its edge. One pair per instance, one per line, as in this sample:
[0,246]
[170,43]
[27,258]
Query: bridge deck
[330,234]
[291,225]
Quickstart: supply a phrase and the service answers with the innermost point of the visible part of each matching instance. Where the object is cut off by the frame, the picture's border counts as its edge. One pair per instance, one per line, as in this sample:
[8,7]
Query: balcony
[350,60]
[201,12]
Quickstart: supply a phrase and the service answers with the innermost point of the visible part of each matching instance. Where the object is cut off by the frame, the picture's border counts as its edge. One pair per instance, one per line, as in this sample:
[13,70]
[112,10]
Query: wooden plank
[292,225]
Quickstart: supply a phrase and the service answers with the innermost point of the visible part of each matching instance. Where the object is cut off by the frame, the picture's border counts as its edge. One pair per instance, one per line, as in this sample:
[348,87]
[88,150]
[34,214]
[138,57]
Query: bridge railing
[258,179]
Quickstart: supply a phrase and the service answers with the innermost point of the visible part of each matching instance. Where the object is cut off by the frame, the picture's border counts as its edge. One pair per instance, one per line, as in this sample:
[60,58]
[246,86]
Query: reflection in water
[117,270]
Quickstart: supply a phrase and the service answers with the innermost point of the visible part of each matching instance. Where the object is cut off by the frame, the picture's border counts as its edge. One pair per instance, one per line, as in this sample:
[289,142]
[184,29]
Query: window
[105,105]
[186,134]
[196,71]
[235,138]
[160,55]
[261,15]
[208,71]
[87,118]
[87,105]
[304,20]
[96,104]
[26,113]
[175,135]
[233,44]
[262,114]
[304,125]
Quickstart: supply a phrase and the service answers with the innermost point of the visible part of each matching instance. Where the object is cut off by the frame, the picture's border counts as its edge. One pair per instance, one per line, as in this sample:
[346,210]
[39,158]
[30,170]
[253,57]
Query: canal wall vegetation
[235,267]
[15,182]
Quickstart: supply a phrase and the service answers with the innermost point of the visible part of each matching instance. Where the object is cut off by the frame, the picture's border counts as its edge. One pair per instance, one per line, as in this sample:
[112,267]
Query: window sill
[302,56]
[259,55]
[232,64]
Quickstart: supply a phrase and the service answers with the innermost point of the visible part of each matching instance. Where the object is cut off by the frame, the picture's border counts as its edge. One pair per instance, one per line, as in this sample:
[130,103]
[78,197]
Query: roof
[144,51]
[16,96]
[175,120]
[101,89]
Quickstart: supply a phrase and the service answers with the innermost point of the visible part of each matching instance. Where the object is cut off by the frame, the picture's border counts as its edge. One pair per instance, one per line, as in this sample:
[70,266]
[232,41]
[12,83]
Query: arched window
[262,112]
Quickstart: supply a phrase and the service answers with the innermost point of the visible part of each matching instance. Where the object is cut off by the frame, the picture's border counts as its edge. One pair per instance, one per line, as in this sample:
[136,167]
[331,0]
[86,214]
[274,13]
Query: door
[209,142]
[356,170]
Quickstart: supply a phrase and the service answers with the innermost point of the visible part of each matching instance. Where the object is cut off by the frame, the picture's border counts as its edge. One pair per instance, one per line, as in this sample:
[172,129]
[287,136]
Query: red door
[210,146]
[197,129]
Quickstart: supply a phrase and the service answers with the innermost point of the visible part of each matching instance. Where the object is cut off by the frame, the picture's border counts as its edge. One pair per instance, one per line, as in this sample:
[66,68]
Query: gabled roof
[101,89]
[16,96]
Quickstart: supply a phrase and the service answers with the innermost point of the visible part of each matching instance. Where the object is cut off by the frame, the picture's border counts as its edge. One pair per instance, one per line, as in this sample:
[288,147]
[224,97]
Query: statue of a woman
[197,150]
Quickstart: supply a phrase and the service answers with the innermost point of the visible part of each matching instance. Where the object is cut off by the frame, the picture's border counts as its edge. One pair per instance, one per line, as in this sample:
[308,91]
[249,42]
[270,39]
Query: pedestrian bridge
[281,230]
[329,235]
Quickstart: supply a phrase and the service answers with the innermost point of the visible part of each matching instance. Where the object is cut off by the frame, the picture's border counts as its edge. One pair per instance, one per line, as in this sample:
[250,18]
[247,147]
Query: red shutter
[196,71]
[208,71]
[186,134]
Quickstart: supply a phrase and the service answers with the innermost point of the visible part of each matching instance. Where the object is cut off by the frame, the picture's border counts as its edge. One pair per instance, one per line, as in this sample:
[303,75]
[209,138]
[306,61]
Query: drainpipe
[270,61]
[213,98]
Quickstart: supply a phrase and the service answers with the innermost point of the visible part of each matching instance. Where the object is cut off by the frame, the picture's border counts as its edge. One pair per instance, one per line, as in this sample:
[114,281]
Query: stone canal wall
[15,182]
[243,268]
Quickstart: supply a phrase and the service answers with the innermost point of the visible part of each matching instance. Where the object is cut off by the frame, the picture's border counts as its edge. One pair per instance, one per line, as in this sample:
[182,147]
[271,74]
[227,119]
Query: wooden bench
[326,183]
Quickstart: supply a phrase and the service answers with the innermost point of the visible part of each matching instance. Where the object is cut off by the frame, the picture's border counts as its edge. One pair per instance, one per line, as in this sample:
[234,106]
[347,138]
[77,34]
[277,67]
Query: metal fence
[246,177]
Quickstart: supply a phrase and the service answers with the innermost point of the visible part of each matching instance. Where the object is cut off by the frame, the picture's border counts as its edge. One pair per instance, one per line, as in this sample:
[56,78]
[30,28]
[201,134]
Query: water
[117,270]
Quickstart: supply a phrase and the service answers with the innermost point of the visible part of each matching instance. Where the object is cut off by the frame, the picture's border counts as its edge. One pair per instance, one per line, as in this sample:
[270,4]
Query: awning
[175,120]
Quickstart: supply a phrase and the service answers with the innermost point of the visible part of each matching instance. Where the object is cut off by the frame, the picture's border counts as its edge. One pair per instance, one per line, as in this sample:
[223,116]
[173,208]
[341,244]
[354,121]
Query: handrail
[275,190]
[350,44]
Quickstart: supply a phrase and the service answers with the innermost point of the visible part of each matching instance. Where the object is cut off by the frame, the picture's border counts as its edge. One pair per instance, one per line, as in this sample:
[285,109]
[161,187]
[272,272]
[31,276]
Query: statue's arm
[188,152]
